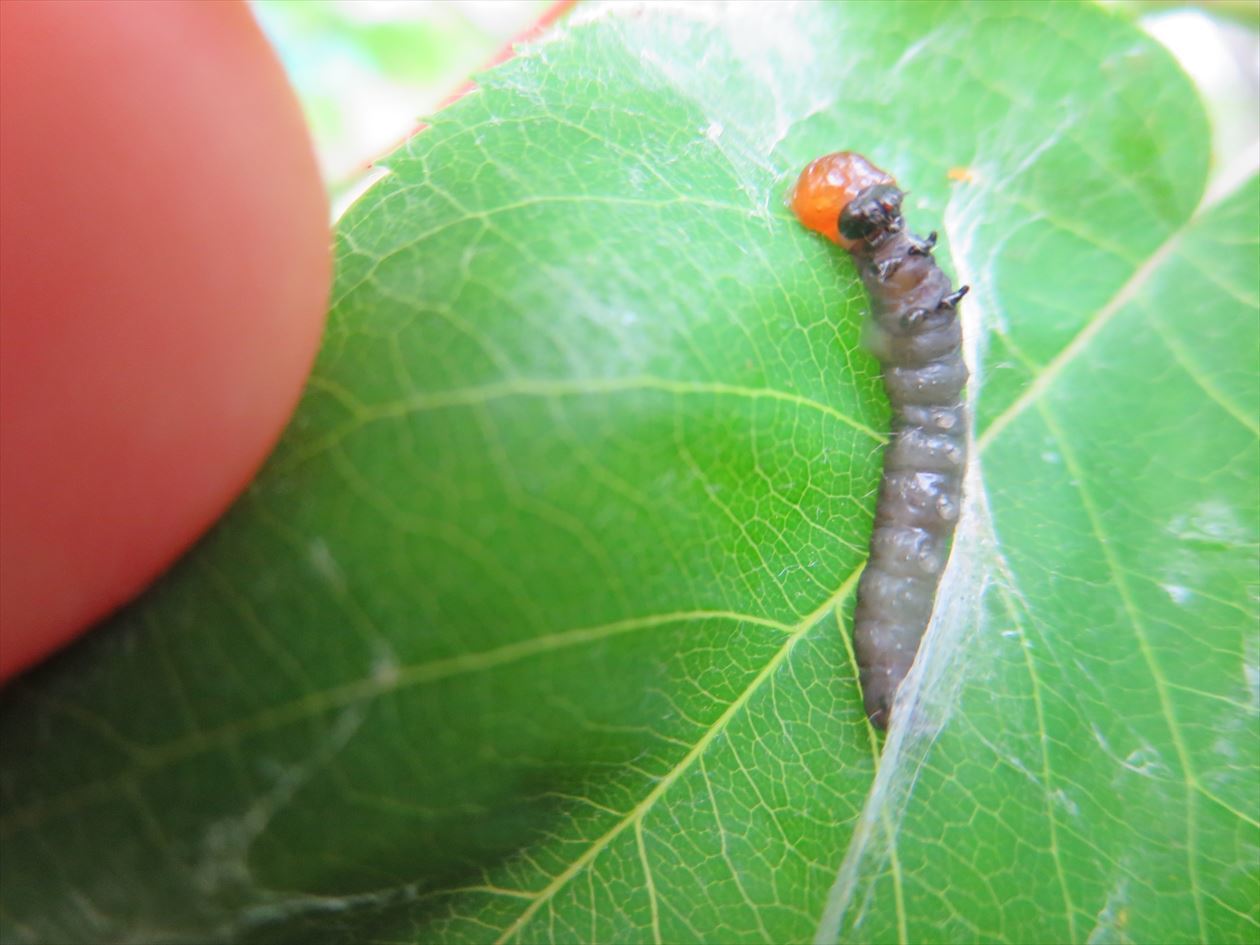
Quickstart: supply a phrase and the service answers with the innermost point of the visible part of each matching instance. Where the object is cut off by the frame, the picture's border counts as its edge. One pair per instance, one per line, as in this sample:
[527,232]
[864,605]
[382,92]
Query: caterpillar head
[827,186]
[872,215]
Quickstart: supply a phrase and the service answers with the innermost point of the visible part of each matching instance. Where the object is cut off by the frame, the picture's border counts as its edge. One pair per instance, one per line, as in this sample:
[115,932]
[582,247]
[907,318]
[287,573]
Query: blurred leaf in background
[366,70]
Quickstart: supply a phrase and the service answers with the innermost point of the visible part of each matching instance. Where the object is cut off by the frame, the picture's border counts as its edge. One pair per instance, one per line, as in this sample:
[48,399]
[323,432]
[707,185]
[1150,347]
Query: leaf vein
[671,777]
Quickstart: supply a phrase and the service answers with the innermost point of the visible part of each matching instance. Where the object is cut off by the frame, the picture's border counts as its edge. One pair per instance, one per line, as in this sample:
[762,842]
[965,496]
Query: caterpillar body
[915,333]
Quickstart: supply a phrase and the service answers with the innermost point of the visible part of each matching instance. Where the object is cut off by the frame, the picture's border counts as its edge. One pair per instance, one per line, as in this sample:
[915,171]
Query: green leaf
[535,626]
[1101,733]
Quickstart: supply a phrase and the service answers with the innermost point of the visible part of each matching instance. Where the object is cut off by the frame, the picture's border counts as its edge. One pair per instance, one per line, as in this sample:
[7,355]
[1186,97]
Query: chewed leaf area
[535,627]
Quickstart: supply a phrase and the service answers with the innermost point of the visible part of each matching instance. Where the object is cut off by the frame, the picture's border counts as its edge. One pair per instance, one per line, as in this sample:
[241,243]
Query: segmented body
[916,336]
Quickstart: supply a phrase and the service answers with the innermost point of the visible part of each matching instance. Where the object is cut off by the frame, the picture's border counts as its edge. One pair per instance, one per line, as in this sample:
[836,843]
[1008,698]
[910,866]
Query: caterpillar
[915,334]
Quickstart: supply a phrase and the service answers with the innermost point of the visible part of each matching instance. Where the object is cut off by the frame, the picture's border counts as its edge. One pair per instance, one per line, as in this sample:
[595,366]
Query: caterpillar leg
[884,270]
[921,247]
[952,300]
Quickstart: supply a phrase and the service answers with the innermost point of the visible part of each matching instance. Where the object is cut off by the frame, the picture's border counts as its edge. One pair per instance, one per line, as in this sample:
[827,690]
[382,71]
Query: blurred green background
[367,70]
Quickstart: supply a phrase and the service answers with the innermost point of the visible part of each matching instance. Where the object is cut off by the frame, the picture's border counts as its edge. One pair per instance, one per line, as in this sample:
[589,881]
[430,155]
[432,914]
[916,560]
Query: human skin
[165,262]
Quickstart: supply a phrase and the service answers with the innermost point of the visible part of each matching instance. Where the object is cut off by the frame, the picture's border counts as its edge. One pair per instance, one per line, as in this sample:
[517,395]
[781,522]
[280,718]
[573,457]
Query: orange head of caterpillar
[826,187]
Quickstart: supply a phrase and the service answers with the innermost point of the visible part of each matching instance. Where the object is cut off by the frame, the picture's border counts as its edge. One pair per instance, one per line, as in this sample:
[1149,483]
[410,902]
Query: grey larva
[916,336]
